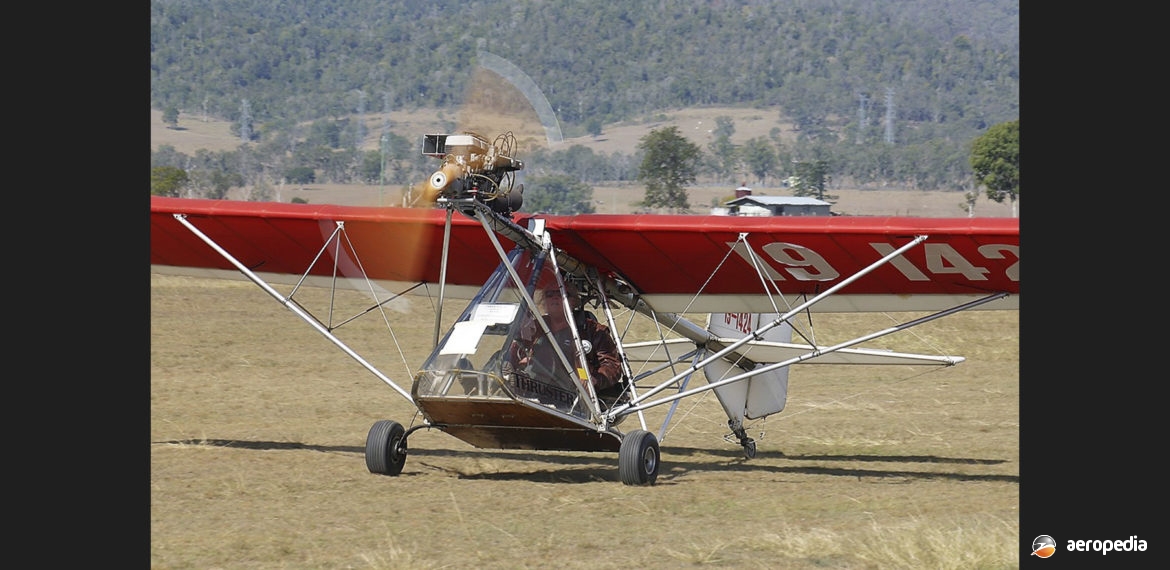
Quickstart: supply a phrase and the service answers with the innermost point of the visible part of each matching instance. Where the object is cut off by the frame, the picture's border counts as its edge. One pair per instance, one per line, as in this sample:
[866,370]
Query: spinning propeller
[500,98]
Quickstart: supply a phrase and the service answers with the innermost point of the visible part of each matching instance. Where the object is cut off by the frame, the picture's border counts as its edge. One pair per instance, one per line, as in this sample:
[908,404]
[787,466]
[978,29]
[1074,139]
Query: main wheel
[638,458]
[386,448]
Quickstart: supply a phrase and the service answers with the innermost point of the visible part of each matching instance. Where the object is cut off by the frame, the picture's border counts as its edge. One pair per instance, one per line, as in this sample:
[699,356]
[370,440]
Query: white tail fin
[760,395]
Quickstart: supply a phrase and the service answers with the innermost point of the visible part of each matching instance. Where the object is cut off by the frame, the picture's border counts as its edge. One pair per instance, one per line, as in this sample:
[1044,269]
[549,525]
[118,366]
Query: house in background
[745,204]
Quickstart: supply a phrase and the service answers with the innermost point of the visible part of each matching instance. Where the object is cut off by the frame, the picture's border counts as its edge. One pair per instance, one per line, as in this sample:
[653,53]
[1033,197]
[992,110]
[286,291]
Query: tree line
[668,162]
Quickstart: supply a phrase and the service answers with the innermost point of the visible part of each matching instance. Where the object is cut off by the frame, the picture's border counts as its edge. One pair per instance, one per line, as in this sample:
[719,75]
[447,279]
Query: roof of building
[777,201]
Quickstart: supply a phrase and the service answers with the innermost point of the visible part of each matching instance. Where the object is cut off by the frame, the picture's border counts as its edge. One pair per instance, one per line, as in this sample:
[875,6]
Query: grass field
[257,461]
[258,428]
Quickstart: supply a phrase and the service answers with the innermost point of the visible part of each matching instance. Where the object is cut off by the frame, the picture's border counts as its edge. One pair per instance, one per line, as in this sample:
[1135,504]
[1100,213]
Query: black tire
[639,458]
[386,448]
[749,450]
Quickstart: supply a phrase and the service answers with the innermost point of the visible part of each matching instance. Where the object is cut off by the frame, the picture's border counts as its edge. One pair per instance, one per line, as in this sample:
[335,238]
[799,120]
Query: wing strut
[637,406]
[296,309]
[634,403]
[674,405]
[443,273]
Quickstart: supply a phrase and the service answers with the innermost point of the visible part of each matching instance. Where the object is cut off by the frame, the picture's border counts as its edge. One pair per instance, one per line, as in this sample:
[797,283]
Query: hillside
[894,92]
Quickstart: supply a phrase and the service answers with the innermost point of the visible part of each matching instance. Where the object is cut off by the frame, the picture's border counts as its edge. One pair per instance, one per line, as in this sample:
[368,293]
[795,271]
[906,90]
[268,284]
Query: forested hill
[840,70]
[945,60]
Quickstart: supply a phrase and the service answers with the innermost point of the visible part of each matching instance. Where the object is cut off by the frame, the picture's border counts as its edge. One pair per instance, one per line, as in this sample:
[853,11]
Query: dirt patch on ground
[194,132]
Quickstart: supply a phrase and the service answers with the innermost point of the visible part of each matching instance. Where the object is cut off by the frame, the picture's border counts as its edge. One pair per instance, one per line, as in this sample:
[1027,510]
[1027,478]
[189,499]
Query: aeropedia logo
[1044,546]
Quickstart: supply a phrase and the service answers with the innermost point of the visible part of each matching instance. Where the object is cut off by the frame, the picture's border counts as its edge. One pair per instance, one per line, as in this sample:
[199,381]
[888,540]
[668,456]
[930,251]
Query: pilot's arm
[603,358]
[520,352]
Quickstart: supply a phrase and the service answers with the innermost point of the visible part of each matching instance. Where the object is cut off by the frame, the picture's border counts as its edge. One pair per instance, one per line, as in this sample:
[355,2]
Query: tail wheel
[638,458]
[386,448]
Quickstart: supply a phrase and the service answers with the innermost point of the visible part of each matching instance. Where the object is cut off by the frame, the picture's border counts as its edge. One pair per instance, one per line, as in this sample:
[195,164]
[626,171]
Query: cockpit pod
[505,367]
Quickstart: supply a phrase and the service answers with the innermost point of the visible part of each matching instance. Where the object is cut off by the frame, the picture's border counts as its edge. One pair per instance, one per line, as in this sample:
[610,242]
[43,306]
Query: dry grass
[257,461]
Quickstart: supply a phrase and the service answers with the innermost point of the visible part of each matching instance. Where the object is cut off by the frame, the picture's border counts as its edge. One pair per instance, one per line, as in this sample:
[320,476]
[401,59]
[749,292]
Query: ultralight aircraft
[756,280]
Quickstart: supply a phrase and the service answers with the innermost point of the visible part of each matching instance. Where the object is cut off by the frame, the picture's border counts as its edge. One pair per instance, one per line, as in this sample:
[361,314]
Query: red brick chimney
[743,191]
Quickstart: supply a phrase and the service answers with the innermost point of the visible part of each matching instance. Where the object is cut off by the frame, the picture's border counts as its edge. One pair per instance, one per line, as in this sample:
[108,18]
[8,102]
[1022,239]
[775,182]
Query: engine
[474,169]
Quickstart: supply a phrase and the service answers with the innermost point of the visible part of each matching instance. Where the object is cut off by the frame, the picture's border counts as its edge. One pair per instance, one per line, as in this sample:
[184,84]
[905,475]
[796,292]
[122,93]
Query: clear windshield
[499,349]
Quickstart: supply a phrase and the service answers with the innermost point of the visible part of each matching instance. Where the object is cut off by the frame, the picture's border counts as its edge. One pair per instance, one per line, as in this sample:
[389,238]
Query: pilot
[605,368]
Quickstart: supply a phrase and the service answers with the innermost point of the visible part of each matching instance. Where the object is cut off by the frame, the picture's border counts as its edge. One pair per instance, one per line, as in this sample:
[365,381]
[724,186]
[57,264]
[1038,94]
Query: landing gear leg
[749,444]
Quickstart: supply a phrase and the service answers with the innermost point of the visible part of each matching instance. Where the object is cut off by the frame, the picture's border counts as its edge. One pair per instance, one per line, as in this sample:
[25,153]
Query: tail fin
[760,395]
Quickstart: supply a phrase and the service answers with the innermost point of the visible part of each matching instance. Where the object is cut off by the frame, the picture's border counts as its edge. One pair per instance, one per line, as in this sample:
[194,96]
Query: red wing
[679,263]
[399,245]
[671,259]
